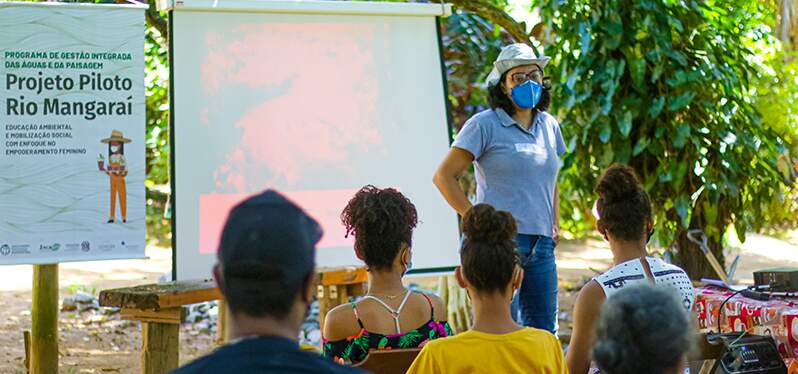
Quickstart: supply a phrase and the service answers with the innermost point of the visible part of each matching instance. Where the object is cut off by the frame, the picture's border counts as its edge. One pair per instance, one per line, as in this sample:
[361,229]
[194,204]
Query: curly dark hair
[488,255]
[642,329]
[382,221]
[498,99]
[624,206]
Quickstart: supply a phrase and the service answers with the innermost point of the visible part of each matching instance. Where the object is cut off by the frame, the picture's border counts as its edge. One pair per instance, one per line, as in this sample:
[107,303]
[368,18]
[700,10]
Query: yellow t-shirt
[527,350]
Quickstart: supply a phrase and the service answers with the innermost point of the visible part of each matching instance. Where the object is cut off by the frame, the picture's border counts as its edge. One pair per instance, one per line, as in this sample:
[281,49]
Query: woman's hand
[556,234]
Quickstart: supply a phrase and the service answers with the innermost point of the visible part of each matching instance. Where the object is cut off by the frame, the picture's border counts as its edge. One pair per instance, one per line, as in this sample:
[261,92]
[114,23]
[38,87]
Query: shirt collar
[504,118]
[508,121]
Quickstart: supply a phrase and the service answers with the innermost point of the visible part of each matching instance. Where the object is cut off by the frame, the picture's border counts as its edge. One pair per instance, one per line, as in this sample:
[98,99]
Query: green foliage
[777,100]
[471,44]
[666,87]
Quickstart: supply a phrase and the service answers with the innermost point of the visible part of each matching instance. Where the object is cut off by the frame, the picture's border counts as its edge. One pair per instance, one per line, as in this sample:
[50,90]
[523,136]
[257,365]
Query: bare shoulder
[440,313]
[591,294]
[589,301]
[340,323]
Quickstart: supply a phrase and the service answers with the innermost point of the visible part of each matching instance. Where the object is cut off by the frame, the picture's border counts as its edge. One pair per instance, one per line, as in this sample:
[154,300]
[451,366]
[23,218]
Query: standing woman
[515,147]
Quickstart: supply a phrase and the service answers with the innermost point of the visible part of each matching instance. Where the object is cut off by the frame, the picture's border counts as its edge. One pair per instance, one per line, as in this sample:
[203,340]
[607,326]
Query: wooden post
[160,347]
[44,315]
[222,323]
[325,304]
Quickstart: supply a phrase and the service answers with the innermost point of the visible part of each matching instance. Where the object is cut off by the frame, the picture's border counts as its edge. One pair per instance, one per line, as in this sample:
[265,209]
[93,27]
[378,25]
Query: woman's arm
[586,310]
[455,163]
[556,228]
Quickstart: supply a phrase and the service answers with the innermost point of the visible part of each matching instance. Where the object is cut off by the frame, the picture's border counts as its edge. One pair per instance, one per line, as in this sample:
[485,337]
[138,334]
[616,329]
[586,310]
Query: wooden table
[159,307]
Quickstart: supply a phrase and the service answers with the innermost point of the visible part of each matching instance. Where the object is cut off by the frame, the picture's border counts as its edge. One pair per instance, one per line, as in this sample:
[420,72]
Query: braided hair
[488,255]
[382,221]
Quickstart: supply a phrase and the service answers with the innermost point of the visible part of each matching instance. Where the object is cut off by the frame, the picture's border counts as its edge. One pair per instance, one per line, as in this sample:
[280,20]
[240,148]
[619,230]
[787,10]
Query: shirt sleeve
[424,362]
[560,359]
[558,135]
[471,138]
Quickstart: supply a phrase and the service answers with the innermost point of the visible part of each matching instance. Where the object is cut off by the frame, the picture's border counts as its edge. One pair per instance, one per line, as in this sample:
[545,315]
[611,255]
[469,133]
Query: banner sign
[72,132]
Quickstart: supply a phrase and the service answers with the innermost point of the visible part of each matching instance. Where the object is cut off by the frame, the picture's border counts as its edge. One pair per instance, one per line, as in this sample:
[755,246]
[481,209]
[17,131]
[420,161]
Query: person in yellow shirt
[490,272]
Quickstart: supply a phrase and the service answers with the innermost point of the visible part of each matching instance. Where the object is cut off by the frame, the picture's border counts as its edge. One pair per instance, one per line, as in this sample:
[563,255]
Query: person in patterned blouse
[390,316]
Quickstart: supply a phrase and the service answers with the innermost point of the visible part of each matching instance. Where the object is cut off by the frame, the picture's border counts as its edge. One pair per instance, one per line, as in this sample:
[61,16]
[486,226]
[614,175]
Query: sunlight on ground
[772,248]
[20,277]
[584,254]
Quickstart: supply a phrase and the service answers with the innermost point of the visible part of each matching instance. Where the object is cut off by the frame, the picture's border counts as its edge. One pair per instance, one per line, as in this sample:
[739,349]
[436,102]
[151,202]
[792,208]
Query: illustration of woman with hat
[116,170]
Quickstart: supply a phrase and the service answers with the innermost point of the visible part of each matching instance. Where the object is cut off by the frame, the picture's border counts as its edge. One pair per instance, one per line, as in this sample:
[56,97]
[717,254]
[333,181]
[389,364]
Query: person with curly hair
[515,148]
[490,272]
[643,329]
[390,316]
[625,221]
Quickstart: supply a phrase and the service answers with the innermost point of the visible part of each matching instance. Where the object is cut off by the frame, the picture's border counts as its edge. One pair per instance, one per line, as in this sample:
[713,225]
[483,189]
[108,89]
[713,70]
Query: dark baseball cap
[268,239]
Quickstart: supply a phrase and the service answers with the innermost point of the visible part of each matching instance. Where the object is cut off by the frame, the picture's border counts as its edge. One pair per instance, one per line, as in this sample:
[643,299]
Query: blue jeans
[535,304]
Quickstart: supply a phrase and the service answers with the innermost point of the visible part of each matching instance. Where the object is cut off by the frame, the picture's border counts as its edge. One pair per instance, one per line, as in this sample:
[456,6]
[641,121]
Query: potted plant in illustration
[116,171]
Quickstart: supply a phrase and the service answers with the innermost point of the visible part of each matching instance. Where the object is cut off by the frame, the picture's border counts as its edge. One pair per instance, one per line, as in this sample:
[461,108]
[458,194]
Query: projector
[779,279]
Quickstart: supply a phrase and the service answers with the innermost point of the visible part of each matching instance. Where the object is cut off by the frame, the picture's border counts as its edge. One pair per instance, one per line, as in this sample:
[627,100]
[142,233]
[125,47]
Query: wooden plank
[44,315]
[167,316]
[160,347]
[182,298]
[161,295]
[172,294]
[342,275]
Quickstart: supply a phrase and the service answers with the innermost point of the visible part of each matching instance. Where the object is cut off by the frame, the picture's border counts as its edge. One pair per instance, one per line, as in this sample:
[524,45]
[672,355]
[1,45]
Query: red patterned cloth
[777,317]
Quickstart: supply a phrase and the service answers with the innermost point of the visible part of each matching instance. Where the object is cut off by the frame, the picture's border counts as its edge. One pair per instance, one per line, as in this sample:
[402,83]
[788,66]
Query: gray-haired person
[643,329]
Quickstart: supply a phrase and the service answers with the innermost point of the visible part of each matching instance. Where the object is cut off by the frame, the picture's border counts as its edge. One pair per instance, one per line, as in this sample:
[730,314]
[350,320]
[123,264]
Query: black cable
[724,303]
[749,288]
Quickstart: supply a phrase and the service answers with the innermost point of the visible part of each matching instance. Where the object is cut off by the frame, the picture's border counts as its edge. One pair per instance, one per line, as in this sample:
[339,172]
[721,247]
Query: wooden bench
[159,309]
[394,361]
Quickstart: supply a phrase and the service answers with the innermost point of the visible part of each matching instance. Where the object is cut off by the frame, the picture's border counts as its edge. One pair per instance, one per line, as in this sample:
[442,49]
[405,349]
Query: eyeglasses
[534,75]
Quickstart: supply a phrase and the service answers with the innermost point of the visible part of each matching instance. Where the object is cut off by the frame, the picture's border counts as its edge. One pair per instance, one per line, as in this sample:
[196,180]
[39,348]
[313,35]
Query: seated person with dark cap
[265,272]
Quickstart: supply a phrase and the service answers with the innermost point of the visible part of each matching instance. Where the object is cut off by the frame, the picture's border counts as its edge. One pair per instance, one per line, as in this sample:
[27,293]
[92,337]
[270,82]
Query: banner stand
[44,313]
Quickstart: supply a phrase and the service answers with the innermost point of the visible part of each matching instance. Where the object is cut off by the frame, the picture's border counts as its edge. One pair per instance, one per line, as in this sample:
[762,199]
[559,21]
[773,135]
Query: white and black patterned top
[631,273]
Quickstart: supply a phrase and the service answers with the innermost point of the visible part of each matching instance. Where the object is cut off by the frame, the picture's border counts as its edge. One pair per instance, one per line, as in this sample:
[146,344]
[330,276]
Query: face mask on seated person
[527,95]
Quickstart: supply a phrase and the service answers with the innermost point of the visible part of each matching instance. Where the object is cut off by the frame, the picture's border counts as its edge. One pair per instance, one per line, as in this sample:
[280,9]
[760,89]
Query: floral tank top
[354,349]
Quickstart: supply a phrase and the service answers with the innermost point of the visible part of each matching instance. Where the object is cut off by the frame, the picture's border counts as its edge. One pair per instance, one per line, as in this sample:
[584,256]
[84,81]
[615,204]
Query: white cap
[512,56]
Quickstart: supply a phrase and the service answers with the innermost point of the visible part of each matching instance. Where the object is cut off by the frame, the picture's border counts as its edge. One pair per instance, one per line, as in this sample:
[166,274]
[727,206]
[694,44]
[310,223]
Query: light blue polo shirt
[516,169]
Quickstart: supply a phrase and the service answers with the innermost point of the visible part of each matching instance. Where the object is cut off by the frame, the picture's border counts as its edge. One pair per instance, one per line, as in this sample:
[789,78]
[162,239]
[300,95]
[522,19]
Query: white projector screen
[315,101]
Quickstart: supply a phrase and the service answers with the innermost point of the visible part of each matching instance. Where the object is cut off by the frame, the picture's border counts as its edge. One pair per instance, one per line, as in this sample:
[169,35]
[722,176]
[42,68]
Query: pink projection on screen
[312,111]
[324,108]
[324,206]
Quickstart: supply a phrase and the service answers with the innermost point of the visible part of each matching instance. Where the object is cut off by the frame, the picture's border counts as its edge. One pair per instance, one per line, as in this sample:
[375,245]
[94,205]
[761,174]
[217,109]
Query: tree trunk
[689,255]
[787,23]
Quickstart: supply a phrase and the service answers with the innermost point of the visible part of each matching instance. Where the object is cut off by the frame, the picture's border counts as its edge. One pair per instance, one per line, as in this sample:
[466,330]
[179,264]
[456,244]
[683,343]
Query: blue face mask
[527,95]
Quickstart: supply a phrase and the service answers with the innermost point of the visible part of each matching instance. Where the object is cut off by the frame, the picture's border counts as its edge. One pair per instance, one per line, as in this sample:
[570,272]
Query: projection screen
[314,99]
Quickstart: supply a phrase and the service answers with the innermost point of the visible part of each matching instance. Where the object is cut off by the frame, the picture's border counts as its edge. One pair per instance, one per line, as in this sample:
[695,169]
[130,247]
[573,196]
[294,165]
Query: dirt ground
[92,342]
